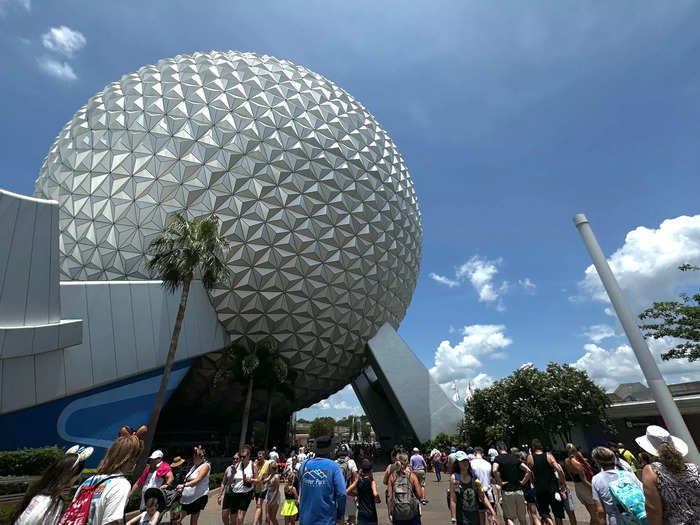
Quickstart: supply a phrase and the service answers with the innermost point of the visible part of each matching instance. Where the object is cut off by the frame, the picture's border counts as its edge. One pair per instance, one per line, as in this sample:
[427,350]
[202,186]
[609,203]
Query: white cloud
[63,40]
[55,68]
[460,361]
[338,405]
[5,4]
[444,280]
[499,355]
[527,285]
[481,272]
[610,367]
[646,266]
[598,332]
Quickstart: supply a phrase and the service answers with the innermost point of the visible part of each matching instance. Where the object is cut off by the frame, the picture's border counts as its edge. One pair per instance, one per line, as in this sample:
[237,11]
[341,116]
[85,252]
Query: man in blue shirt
[321,488]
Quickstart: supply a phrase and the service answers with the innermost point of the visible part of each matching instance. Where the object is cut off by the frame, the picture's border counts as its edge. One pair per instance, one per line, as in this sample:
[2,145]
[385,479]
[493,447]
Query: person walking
[364,488]
[274,456]
[177,467]
[512,476]
[291,500]
[110,483]
[272,498]
[482,469]
[321,488]
[156,474]
[262,467]
[671,486]
[225,497]
[42,503]
[349,469]
[606,504]
[582,474]
[244,476]
[403,493]
[628,457]
[436,458]
[466,493]
[195,489]
[419,467]
[528,488]
[547,486]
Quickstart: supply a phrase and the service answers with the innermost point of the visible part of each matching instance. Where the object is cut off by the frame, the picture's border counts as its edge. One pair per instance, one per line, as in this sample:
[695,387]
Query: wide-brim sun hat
[657,436]
[177,461]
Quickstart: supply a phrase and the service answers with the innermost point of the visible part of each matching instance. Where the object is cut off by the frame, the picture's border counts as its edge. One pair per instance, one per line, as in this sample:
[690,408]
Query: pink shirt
[161,470]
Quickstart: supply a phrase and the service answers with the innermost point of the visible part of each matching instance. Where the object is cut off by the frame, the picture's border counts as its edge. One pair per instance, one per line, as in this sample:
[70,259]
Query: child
[365,489]
[43,503]
[291,500]
[150,516]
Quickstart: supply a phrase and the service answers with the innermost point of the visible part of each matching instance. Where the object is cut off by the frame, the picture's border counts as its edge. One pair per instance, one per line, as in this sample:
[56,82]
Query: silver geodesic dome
[313,197]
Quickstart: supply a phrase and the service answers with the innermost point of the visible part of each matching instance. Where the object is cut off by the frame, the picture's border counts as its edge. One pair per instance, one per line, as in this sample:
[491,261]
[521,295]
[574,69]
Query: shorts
[545,501]
[350,506]
[420,474]
[513,505]
[236,501]
[260,495]
[196,506]
[469,518]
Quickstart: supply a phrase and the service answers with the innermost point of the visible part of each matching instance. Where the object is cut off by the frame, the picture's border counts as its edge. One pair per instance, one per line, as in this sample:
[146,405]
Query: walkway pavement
[435,513]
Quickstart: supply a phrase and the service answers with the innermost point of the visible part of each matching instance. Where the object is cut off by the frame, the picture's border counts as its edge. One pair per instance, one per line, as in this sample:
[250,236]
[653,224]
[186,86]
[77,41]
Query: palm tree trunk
[246,413]
[267,417]
[158,404]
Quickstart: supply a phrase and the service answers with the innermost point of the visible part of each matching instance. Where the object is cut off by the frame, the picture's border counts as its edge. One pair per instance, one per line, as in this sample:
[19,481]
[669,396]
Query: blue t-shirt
[321,492]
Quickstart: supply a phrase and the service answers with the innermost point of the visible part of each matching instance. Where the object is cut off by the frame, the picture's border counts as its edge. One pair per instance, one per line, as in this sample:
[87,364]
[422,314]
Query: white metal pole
[659,390]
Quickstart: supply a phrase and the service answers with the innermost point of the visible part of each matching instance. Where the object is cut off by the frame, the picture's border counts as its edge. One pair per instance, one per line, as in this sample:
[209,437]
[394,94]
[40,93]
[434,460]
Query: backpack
[344,465]
[630,501]
[78,511]
[404,505]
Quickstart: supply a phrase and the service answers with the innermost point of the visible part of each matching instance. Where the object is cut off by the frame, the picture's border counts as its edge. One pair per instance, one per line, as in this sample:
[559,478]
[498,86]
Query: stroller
[167,498]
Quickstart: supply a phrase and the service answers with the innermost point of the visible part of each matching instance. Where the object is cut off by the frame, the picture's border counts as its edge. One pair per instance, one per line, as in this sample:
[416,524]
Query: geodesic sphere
[313,197]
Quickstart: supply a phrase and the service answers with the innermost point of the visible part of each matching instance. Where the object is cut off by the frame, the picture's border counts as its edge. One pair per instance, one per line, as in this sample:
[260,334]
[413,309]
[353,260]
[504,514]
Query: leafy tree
[442,442]
[534,403]
[679,319]
[322,426]
[185,250]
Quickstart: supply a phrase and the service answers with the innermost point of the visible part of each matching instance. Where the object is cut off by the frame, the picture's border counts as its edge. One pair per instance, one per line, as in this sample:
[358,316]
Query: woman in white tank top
[244,477]
[195,490]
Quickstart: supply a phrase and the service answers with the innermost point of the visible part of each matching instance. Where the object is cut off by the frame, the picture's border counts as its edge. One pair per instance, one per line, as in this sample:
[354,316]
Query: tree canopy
[680,319]
[321,426]
[534,403]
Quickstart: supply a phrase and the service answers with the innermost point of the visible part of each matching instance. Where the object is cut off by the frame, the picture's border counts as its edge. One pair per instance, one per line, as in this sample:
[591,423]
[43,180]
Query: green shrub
[28,461]
[215,480]
[6,511]
[16,487]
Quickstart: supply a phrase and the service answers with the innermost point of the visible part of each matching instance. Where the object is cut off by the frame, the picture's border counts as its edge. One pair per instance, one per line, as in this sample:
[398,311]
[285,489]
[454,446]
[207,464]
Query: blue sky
[511,117]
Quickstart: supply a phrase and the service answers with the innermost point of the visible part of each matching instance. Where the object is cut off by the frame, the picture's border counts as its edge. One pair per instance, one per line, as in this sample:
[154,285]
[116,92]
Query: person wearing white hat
[671,486]
[156,474]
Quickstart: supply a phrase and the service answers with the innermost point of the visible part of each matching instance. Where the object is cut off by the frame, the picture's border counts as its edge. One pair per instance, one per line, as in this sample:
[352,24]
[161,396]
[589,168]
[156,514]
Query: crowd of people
[325,486]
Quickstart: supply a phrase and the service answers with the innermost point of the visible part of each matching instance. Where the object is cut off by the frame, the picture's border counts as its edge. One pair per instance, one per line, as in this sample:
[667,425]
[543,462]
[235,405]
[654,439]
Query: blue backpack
[630,501]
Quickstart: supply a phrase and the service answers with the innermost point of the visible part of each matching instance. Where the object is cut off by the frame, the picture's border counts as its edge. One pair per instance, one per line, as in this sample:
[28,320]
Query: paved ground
[435,513]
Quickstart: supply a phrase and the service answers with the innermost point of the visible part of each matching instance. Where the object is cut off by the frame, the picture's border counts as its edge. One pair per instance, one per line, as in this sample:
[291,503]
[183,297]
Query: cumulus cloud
[481,273]
[338,405]
[646,266]
[57,69]
[611,366]
[598,332]
[460,361]
[63,40]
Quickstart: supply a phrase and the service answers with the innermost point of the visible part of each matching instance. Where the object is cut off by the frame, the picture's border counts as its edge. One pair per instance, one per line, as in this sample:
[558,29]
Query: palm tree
[185,249]
[277,365]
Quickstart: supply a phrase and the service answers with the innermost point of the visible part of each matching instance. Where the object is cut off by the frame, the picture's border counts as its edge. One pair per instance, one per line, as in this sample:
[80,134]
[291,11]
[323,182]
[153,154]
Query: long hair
[121,456]
[670,457]
[53,482]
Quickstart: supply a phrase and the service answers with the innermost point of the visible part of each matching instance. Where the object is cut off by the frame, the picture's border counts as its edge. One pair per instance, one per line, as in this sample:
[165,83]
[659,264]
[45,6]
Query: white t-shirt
[37,512]
[274,456]
[238,487]
[482,469]
[109,500]
[301,457]
[144,518]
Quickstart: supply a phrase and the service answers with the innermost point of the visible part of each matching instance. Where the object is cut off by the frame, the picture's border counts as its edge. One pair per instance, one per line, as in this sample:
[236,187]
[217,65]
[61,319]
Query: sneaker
[424,501]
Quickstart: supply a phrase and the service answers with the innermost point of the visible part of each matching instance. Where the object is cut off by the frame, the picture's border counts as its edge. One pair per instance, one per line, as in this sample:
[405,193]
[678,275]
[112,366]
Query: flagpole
[662,395]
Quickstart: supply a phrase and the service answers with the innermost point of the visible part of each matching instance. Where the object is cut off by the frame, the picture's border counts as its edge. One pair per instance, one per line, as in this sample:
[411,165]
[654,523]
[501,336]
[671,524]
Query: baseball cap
[415,449]
[460,455]
[470,449]
[323,444]
[156,454]
[366,465]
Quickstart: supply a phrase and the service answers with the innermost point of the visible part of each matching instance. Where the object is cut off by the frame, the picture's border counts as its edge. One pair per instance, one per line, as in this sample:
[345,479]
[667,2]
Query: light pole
[659,390]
